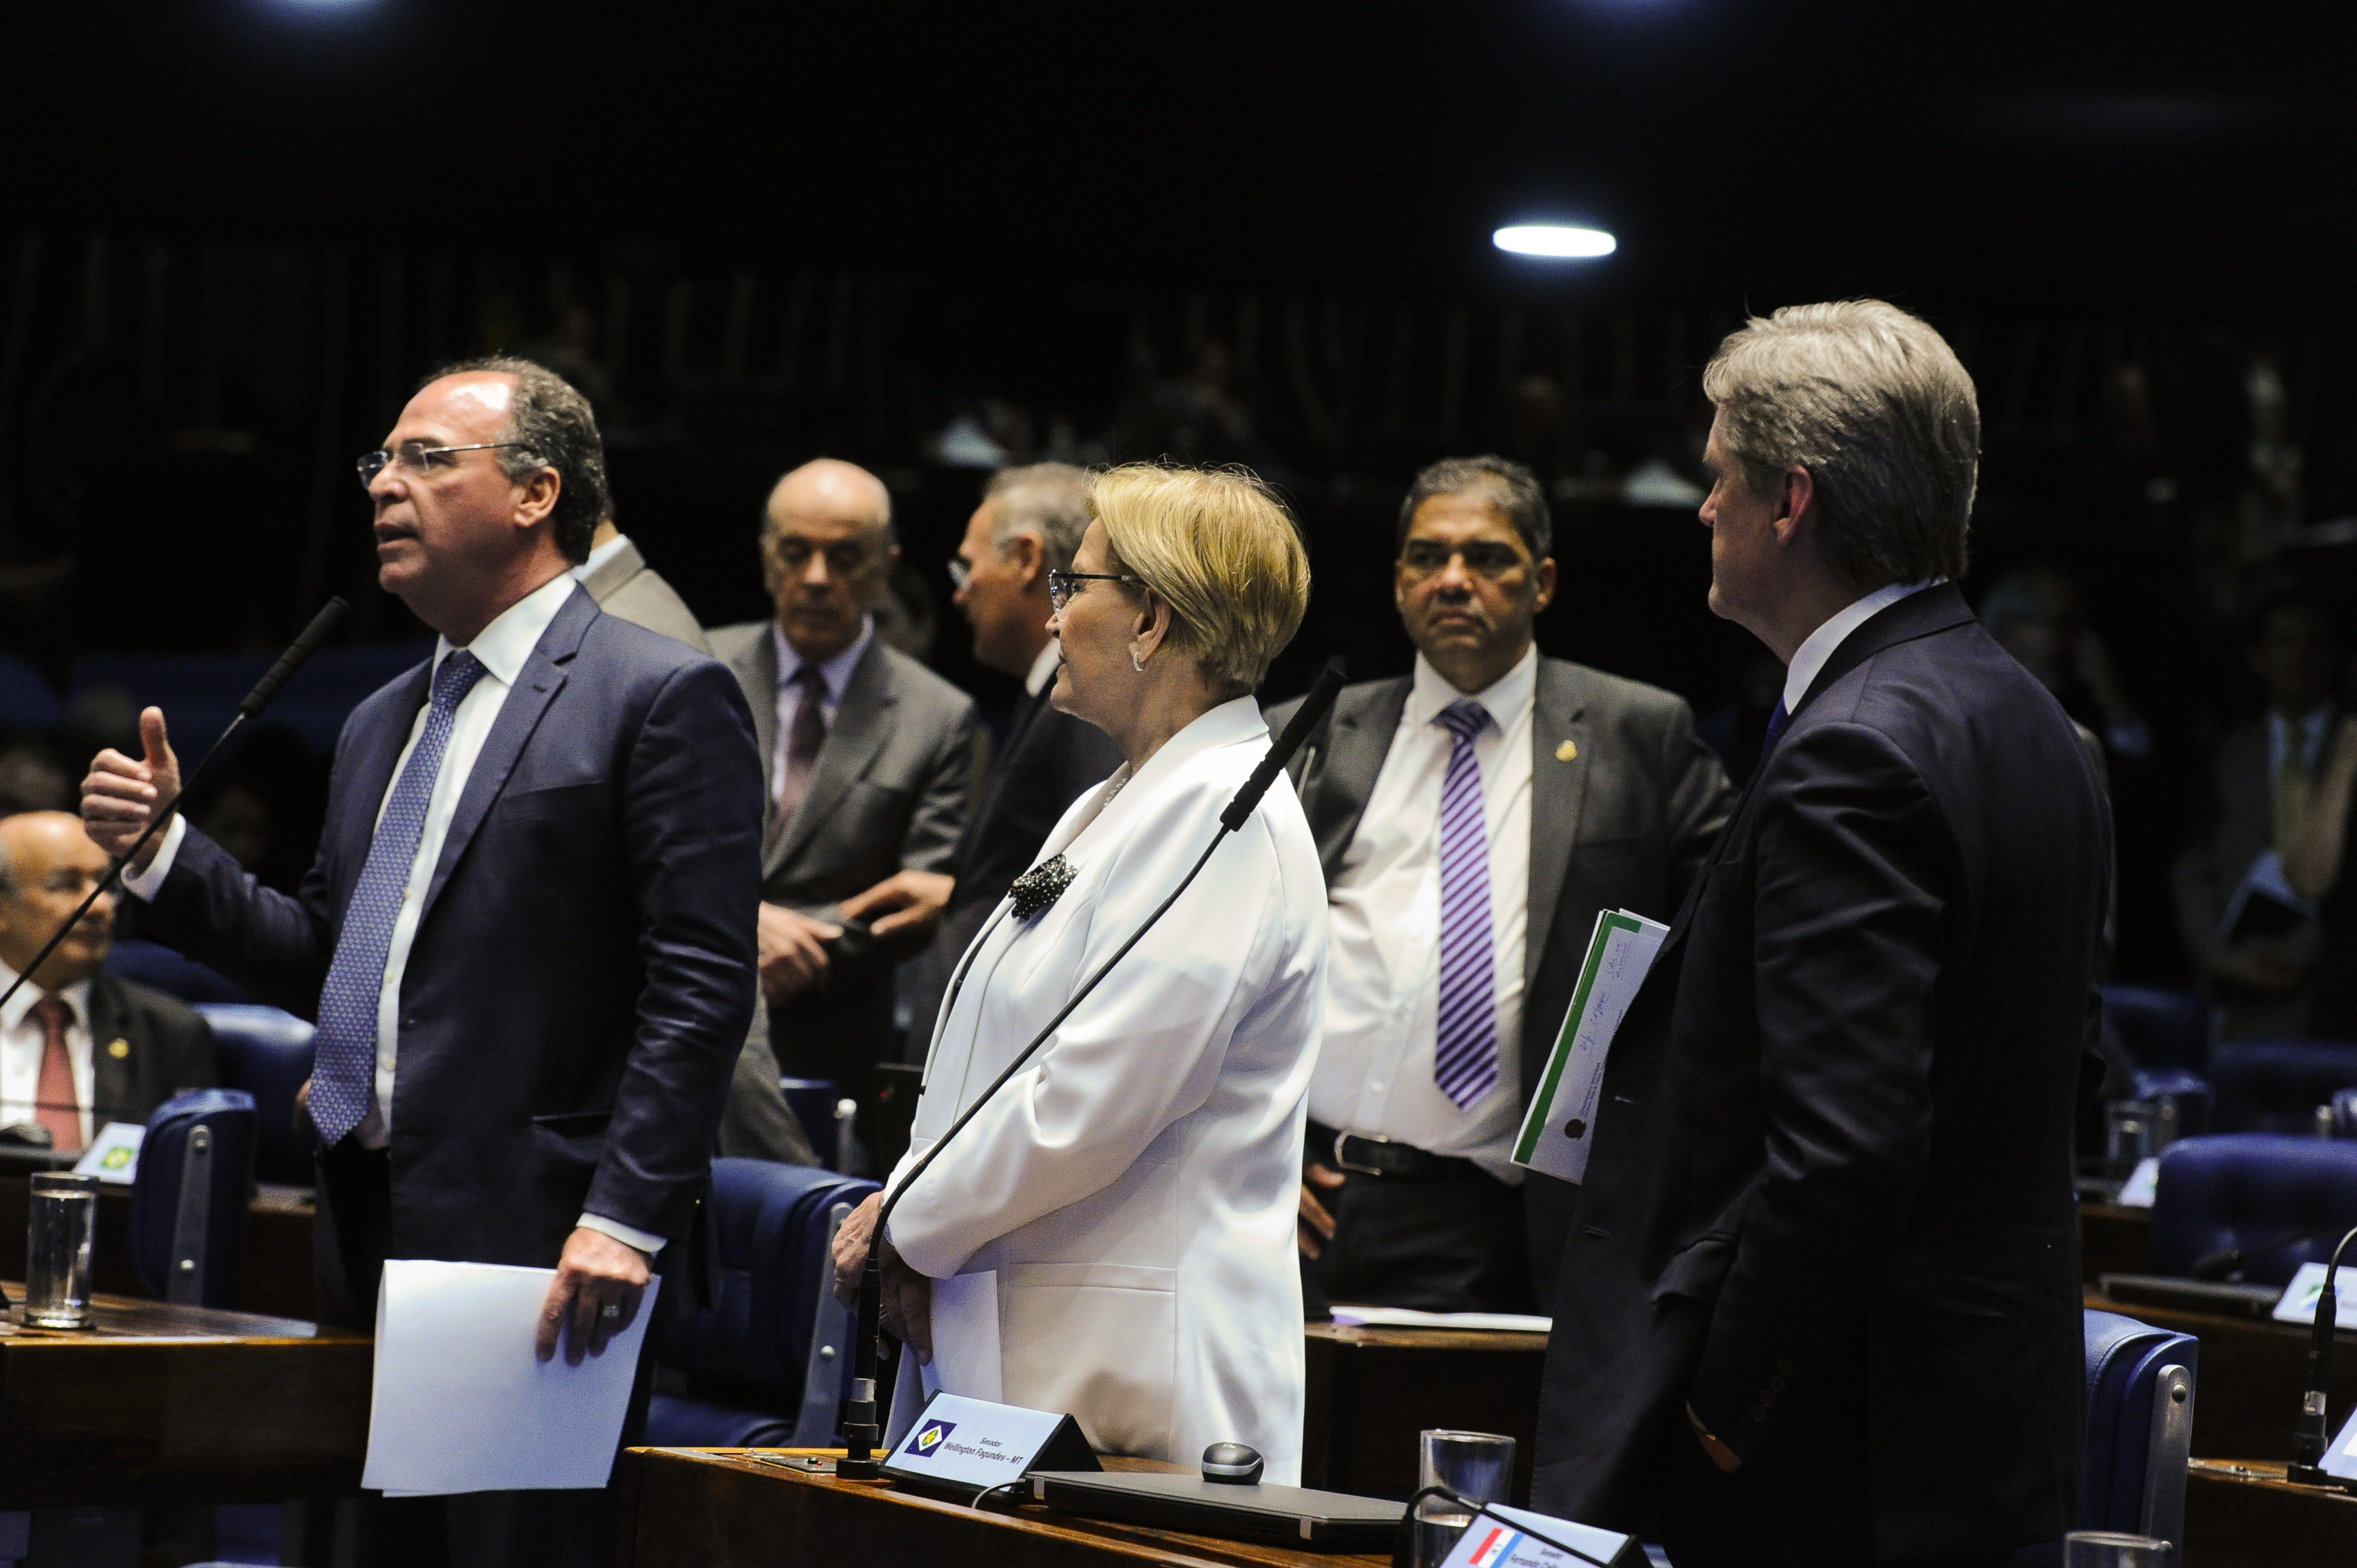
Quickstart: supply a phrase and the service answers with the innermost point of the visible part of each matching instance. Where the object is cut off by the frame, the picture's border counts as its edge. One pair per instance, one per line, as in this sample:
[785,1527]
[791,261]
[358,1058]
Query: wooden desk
[1372,1390]
[2113,1241]
[2248,1393]
[163,1403]
[2247,1515]
[274,1274]
[710,1508]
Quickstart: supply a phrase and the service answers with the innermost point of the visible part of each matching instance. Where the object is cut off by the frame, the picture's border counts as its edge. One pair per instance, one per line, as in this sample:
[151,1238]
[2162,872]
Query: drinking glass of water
[1477,1465]
[56,1249]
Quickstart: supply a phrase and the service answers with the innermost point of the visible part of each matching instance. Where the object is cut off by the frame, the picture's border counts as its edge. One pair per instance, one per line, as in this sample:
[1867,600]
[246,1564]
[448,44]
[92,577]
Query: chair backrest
[2247,1189]
[188,1201]
[267,1053]
[773,1224]
[153,965]
[2140,1384]
[2275,1086]
[2344,1113]
[2161,1028]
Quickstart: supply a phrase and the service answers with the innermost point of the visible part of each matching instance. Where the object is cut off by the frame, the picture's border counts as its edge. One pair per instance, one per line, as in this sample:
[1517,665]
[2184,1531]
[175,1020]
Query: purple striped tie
[1465,1044]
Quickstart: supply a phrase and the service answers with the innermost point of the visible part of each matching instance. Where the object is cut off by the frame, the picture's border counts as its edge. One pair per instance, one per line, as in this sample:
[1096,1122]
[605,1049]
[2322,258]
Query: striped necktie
[1464,1044]
[343,1073]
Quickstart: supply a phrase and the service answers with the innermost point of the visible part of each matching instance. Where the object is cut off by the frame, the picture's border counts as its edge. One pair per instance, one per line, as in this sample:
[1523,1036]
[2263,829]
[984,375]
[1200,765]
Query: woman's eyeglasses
[1062,585]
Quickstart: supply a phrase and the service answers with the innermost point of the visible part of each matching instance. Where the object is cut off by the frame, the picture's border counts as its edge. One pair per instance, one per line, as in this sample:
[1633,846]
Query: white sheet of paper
[1497,1542]
[462,1405]
[2142,1185]
[965,1335]
[1408,1318]
[1560,1128]
[966,1352]
[2298,1304]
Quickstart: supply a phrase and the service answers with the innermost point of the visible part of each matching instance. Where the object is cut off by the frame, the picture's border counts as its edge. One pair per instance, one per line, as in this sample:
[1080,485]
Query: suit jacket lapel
[1027,715]
[537,684]
[1358,738]
[862,720]
[375,754]
[765,711]
[111,1088]
[1558,788]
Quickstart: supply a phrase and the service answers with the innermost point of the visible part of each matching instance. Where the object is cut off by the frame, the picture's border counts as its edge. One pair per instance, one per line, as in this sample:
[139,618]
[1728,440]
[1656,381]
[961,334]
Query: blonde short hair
[1224,553]
[1875,406]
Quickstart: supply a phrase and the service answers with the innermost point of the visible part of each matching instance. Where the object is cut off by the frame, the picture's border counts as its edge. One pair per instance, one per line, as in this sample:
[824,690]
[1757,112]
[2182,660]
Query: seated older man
[80,1048]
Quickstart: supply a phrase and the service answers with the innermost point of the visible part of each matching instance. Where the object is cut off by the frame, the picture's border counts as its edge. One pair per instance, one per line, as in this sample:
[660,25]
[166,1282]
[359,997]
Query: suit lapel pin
[119,1049]
[1041,887]
[1566,752]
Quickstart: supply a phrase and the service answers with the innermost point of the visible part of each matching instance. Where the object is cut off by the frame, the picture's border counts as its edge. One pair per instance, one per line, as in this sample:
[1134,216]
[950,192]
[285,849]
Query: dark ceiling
[1747,152]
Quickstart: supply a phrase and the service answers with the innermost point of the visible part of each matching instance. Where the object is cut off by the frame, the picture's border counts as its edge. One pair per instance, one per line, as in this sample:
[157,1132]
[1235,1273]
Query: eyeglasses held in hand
[418,458]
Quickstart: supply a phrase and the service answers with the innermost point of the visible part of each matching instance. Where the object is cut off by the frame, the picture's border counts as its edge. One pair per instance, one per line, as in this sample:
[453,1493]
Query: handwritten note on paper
[1560,1126]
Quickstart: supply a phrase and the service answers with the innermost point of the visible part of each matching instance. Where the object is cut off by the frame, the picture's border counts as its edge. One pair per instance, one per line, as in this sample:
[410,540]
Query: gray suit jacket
[1625,804]
[627,586]
[890,794]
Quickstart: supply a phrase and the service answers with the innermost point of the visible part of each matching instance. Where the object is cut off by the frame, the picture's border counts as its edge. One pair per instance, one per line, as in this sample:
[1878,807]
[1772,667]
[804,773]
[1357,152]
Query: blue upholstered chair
[2344,1113]
[153,965]
[2275,1086]
[2140,1433]
[2188,1092]
[188,1201]
[2161,1028]
[267,1053]
[767,1366]
[2247,1190]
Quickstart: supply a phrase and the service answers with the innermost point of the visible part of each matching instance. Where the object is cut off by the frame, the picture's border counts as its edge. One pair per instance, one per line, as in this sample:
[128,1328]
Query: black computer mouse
[1236,1464]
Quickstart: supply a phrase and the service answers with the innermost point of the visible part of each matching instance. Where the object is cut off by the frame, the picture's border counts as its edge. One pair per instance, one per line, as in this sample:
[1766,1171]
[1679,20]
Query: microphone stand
[2217,1265]
[2312,1437]
[861,1429]
[265,691]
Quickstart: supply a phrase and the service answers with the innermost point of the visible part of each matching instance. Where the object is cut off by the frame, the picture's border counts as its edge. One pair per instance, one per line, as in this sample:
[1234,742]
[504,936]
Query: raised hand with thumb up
[120,794]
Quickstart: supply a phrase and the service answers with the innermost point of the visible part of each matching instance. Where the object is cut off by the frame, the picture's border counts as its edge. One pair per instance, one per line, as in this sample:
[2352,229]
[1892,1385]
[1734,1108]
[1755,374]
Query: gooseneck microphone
[331,616]
[2311,1437]
[861,1430]
[2217,1265]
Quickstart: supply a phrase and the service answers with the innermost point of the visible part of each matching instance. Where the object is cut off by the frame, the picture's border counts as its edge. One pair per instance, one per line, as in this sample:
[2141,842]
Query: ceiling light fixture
[1554,240]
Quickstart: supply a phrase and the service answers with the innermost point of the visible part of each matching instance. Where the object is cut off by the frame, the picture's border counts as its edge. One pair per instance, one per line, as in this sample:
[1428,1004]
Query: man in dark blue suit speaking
[1820,1303]
[528,937]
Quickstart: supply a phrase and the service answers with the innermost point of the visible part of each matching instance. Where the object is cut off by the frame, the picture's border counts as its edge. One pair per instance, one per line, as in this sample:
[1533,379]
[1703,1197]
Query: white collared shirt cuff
[150,882]
[644,1243]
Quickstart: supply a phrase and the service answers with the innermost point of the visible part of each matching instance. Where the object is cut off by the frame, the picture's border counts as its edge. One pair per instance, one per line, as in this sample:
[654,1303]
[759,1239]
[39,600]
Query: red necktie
[55,1104]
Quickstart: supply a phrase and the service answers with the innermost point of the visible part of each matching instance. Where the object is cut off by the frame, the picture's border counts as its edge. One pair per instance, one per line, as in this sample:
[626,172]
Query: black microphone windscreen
[265,691]
[2217,1265]
[1305,719]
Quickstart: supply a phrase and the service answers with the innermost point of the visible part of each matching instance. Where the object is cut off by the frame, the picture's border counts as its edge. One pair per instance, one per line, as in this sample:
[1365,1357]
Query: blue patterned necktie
[1465,1044]
[343,1071]
[1776,722]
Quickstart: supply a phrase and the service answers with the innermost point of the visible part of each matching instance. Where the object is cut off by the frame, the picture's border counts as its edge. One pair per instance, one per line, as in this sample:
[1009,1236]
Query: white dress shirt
[1383,991]
[504,648]
[600,556]
[835,673]
[1043,668]
[1817,649]
[22,1044]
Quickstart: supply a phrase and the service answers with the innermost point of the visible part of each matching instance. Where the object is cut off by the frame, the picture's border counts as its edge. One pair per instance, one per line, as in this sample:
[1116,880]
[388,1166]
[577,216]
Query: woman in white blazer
[1113,1236]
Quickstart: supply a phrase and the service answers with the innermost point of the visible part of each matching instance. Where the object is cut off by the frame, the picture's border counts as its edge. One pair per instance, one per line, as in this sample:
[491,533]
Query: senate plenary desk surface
[163,1403]
[710,1508]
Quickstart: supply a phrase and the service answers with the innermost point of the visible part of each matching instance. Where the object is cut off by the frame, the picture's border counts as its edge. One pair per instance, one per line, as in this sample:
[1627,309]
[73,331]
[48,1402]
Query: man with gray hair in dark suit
[868,760]
[1473,817]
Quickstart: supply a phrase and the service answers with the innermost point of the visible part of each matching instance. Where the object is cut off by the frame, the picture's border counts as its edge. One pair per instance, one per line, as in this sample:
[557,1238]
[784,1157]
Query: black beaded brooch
[1041,887]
